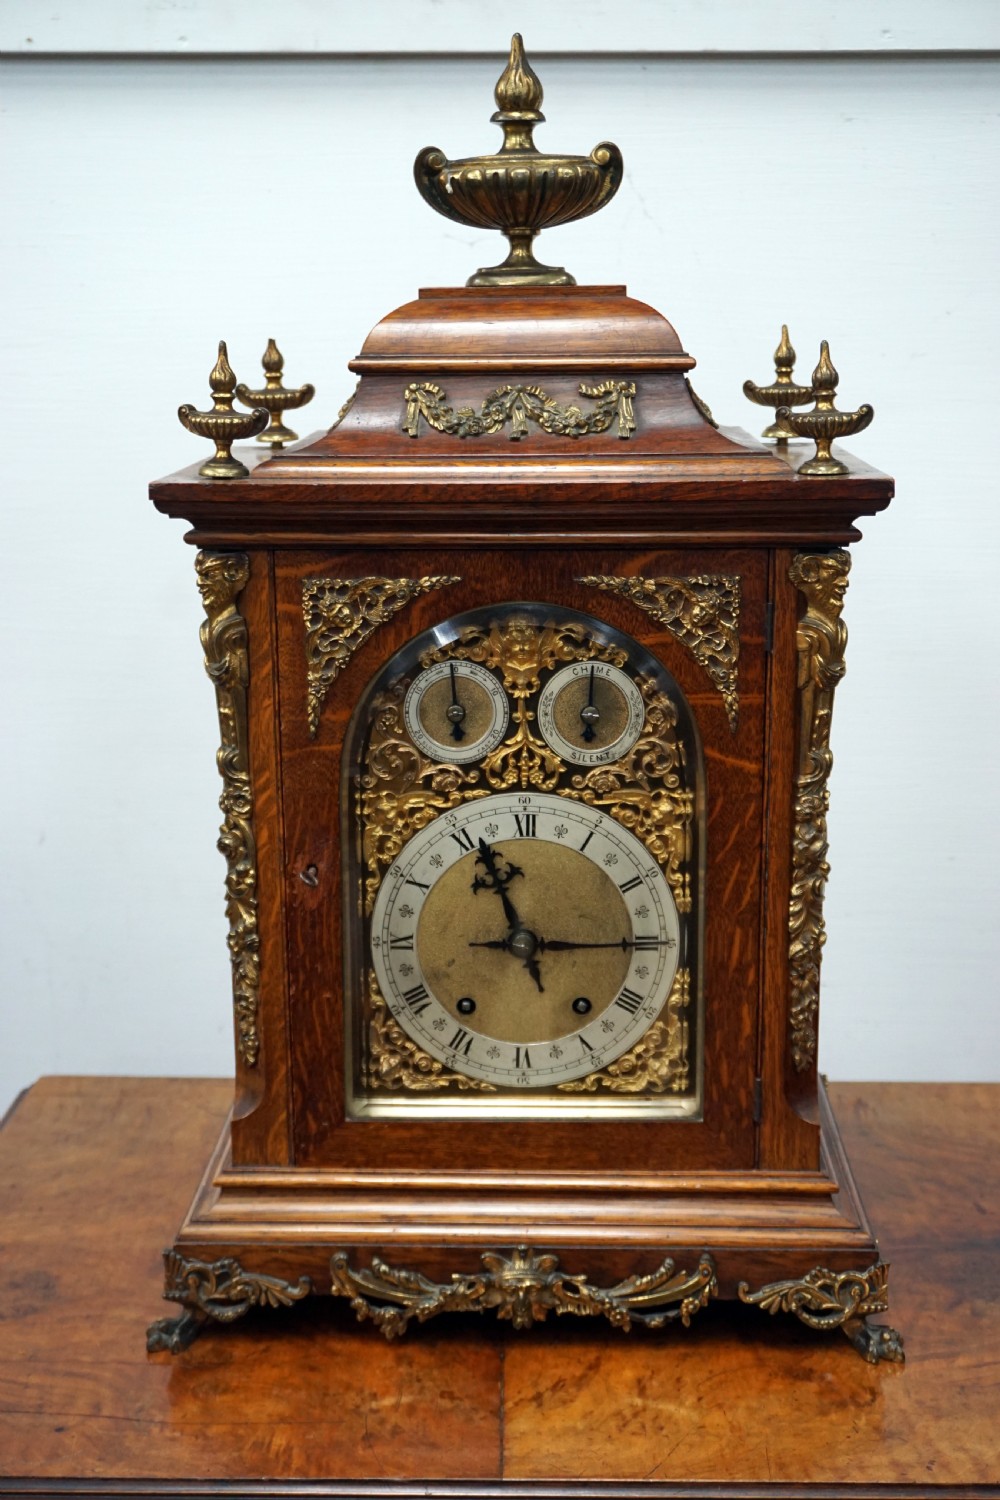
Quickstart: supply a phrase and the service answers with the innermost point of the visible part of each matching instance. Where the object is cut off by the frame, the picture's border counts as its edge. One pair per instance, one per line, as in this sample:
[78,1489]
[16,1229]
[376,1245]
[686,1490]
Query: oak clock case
[527,938]
[524,673]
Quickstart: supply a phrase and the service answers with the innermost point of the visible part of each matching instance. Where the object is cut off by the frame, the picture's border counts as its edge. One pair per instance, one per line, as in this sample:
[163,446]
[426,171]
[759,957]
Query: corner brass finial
[824,423]
[276,398]
[783,391]
[518,190]
[222,425]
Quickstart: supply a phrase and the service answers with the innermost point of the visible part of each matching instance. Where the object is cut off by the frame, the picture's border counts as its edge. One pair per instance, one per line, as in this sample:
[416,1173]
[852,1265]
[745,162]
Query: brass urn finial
[519,191]
[824,422]
[222,425]
[783,391]
[276,398]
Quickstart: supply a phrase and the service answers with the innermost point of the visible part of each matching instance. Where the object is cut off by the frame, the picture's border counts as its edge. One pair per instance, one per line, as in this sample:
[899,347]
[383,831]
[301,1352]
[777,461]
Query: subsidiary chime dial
[590,713]
[456,711]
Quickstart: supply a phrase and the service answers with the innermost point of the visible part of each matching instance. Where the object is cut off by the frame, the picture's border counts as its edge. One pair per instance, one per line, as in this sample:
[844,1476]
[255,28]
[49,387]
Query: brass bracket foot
[175,1334]
[219,1290]
[826,1300]
[521,1288]
[875,1341]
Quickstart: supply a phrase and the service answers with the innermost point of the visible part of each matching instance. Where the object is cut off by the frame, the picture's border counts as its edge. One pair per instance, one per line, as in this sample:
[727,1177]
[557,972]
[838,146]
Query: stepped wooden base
[651,1251]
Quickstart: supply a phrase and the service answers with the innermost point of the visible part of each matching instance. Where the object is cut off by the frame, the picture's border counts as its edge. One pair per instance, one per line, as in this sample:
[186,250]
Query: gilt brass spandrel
[703,613]
[522,1288]
[340,614]
[521,405]
[222,576]
[821,579]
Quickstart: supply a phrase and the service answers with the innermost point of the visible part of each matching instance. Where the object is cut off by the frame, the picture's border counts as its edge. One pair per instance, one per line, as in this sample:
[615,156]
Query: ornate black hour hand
[499,874]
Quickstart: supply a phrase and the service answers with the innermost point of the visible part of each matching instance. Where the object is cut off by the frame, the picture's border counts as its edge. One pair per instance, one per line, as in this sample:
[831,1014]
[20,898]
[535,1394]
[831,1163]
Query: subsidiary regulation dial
[590,713]
[456,711]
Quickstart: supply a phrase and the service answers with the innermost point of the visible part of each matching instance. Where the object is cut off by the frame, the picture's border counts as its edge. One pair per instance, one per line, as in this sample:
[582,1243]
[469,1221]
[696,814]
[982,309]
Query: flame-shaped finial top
[273,360]
[518,96]
[222,381]
[784,355]
[825,378]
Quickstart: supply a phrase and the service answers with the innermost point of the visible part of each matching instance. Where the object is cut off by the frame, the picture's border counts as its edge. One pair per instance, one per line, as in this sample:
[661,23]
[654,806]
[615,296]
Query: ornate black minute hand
[546,945]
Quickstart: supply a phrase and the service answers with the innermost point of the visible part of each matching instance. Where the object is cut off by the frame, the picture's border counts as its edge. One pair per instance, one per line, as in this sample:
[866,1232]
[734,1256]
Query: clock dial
[525,940]
[522,874]
[591,713]
[456,711]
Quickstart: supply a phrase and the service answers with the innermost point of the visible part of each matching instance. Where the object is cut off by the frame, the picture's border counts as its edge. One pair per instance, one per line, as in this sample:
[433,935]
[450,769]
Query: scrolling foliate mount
[827,1300]
[522,1288]
[519,405]
[340,614]
[821,578]
[222,576]
[219,1291]
[704,615]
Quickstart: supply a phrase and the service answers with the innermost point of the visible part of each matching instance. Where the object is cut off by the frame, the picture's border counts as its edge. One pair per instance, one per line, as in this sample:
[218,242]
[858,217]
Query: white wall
[851,196]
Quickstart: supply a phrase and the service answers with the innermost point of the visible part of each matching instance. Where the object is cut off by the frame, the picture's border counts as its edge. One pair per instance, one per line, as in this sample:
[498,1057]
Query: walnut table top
[95,1173]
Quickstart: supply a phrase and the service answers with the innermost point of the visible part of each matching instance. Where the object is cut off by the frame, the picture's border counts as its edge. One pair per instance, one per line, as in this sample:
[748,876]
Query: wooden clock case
[759,1183]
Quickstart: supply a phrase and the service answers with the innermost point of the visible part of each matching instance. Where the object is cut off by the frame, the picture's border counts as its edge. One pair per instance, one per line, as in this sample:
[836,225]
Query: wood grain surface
[93,1175]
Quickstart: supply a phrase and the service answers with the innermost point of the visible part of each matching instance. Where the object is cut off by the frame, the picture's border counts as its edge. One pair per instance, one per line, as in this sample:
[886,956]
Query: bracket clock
[524,674]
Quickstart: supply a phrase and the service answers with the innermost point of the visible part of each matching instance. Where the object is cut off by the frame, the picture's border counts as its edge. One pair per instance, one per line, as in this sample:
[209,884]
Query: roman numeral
[649,944]
[461,1041]
[584,1043]
[418,883]
[525,823]
[403,944]
[629,1000]
[521,1058]
[463,839]
[587,840]
[417,999]
[630,885]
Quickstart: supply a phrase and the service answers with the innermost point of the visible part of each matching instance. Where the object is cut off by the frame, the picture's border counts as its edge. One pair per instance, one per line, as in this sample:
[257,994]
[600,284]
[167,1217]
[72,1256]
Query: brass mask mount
[276,398]
[824,422]
[222,425]
[783,392]
[519,191]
